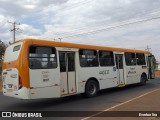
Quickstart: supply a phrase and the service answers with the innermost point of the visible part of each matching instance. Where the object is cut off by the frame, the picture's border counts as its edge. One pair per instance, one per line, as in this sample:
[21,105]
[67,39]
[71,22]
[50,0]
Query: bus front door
[67,72]
[151,69]
[120,69]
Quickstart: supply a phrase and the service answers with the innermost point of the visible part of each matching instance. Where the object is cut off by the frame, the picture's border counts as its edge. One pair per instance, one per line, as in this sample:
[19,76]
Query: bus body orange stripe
[22,63]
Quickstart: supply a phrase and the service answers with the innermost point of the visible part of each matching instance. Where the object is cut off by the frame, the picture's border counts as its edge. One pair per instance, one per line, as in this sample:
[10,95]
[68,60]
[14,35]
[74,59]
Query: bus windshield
[12,52]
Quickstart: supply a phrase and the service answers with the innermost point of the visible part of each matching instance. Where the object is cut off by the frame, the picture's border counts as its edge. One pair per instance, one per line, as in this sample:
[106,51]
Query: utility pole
[14,29]
[60,39]
[148,48]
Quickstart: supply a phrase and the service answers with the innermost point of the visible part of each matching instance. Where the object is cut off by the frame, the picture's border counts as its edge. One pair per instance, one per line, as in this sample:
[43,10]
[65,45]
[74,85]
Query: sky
[96,22]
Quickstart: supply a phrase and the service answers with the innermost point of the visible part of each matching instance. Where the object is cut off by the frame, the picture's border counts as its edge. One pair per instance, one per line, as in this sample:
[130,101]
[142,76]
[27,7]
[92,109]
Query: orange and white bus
[35,69]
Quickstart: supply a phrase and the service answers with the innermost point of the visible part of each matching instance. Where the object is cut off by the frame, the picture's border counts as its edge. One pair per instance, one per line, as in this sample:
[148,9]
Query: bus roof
[82,46]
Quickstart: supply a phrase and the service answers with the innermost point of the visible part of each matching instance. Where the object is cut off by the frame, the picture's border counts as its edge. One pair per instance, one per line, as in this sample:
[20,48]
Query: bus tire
[91,88]
[143,79]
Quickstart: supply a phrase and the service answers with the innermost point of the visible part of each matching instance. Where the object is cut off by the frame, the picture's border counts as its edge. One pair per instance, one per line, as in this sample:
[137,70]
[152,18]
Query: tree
[2,50]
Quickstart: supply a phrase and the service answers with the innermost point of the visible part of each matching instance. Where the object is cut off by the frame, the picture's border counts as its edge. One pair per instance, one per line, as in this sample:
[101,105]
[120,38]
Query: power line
[70,7]
[103,22]
[139,15]
[76,5]
[65,8]
[110,28]
[80,4]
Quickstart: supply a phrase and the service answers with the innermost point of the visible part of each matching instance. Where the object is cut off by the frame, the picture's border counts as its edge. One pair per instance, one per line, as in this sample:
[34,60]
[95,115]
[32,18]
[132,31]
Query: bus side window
[140,59]
[130,59]
[42,57]
[35,64]
[88,58]
[106,58]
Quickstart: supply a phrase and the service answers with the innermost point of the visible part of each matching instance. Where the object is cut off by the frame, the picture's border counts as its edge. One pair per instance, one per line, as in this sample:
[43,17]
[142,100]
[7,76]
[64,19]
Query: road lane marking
[120,104]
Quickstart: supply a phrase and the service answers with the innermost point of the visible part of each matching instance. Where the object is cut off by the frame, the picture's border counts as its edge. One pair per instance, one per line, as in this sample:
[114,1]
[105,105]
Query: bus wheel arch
[143,79]
[91,87]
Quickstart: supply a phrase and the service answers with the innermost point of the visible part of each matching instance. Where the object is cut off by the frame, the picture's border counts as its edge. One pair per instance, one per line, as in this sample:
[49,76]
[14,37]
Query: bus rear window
[42,57]
[16,48]
[12,52]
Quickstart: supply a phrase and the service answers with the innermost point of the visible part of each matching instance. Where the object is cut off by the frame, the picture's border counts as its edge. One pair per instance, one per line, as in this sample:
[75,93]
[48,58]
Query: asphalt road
[105,100]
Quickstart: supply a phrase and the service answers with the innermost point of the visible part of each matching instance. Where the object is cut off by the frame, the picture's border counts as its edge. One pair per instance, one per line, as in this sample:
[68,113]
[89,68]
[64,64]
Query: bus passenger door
[67,72]
[120,68]
[151,69]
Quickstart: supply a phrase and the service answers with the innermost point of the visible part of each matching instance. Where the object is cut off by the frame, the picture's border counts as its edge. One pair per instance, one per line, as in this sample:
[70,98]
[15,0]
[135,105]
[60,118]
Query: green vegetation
[2,49]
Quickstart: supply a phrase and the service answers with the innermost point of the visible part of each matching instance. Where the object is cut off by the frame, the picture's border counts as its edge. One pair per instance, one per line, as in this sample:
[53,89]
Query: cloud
[30,30]
[52,19]
[19,8]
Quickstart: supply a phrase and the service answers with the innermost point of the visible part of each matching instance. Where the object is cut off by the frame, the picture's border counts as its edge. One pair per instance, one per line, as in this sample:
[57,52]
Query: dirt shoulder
[0,83]
[157,73]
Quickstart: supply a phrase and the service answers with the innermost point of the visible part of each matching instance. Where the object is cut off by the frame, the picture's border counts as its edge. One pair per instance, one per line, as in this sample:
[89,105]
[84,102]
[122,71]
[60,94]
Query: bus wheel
[91,88]
[143,79]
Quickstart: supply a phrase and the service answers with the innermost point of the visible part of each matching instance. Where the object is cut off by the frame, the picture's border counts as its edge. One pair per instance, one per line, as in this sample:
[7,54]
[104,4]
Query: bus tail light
[20,83]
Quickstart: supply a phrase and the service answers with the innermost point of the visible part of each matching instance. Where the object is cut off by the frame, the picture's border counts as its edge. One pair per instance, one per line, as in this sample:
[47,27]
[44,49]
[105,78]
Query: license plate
[9,90]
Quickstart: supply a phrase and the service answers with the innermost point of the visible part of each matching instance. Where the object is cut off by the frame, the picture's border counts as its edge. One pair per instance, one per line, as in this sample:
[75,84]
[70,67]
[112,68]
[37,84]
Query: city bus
[34,69]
